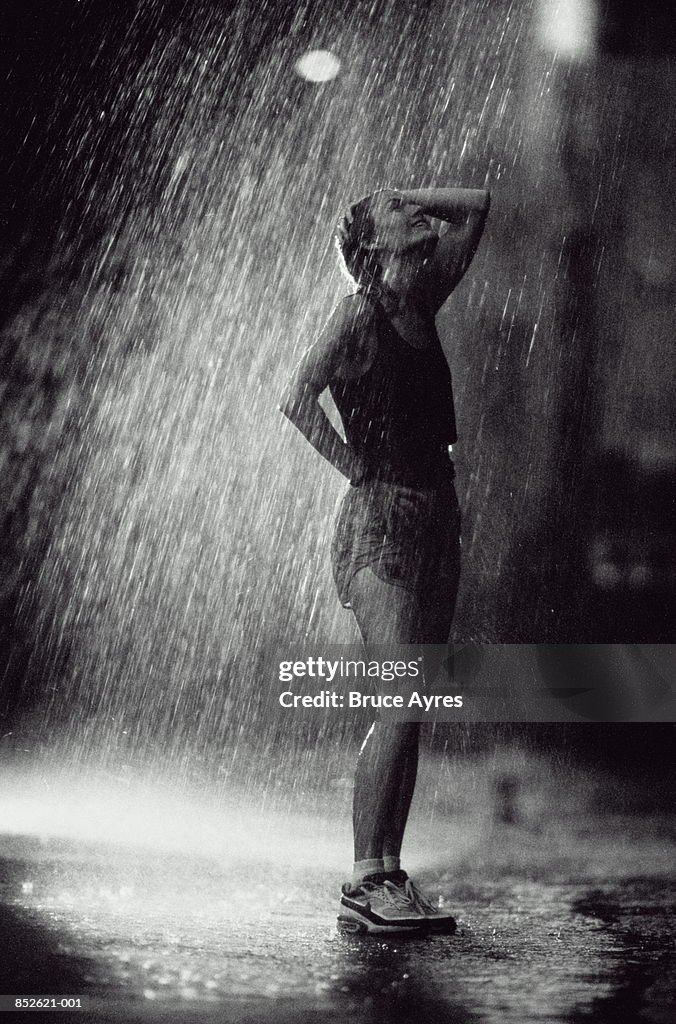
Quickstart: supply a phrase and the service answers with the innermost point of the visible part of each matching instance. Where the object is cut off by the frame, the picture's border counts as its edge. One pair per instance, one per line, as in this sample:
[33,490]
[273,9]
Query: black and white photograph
[338,545]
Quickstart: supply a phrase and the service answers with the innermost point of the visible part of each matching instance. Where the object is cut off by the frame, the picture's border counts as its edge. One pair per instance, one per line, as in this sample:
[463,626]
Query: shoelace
[414,896]
[389,893]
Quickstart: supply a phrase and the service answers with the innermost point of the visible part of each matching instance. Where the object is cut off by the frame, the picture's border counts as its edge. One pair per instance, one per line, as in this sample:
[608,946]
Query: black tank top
[399,415]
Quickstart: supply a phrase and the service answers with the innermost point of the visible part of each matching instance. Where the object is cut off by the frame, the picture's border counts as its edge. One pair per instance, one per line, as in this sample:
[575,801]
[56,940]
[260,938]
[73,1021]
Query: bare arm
[344,350]
[465,211]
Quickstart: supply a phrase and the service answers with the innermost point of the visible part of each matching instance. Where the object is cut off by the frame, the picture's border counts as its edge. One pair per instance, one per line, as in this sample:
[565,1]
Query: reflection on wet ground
[571,924]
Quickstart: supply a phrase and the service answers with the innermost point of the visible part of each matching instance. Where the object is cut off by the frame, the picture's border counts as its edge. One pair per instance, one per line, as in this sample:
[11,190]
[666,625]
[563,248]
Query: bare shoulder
[352,335]
[354,313]
[344,349]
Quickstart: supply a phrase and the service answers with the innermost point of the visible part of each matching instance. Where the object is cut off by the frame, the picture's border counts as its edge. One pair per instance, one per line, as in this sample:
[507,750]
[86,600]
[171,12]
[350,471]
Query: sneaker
[437,918]
[378,906]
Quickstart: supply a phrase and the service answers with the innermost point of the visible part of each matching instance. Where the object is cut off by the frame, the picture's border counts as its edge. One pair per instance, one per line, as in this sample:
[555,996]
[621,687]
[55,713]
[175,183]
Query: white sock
[362,868]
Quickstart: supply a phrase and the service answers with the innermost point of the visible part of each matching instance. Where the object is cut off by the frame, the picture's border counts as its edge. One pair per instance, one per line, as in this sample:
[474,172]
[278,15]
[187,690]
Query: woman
[396,547]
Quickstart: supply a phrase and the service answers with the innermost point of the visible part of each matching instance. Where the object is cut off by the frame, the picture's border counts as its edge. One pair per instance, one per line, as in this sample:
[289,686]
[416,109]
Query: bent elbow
[297,400]
[286,407]
[290,405]
[287,399]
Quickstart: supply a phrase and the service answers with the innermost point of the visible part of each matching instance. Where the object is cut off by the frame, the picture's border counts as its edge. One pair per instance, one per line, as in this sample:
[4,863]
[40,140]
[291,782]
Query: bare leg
[387,766]
[388,762]
[433,627]
[383,788]
[394,831]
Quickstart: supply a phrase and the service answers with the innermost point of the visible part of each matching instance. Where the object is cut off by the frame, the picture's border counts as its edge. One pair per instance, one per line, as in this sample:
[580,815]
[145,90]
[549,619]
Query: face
[399,226]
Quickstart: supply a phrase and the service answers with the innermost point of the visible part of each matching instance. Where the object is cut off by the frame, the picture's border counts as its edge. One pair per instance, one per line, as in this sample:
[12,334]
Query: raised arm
[344,350]
[465,211]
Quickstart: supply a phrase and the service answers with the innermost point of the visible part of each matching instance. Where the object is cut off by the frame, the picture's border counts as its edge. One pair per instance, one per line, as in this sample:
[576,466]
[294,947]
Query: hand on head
[344,225]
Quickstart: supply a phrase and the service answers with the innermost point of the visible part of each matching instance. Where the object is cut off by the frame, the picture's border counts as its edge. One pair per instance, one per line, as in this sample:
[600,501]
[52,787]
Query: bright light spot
[318,66]
[569,27]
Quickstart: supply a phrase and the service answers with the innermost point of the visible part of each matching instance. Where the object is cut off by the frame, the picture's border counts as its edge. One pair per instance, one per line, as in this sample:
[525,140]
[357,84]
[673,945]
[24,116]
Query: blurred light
[318,66]
[639,575]
[569,27]
[632,561]
[606,575]
[145,815]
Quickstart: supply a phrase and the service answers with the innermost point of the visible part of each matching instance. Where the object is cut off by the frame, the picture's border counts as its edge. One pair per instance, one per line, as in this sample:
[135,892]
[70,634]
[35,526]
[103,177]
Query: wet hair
[352,240]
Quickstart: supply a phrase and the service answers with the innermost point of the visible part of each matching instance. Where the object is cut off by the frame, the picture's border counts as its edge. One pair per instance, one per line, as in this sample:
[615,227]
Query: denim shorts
[408,536]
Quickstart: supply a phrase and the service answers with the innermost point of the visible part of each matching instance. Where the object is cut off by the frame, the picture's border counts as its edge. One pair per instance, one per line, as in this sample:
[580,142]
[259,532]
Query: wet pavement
[570,920]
